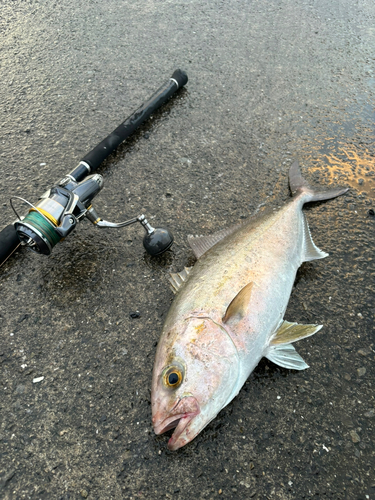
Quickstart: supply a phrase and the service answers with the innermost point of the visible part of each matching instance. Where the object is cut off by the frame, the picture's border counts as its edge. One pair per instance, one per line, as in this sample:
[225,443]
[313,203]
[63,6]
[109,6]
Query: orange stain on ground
[356,168]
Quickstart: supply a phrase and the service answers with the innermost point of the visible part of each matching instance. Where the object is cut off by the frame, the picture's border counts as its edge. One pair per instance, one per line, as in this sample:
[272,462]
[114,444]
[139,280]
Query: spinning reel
[56,215]
[58,211]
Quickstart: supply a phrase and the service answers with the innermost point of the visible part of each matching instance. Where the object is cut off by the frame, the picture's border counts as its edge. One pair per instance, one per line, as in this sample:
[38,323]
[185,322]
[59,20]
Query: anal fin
[311,251]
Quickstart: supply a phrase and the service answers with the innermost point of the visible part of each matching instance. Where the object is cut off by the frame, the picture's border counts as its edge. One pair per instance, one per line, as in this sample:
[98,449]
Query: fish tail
[299,185]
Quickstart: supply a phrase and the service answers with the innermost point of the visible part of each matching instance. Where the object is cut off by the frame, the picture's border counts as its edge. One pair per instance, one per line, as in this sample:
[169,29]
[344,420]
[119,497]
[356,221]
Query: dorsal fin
[178,279]
[311,251]
[201,244]
[238,307]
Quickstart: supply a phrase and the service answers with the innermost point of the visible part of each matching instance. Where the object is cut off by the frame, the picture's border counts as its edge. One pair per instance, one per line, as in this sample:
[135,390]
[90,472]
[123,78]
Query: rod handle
[9,242]
[97,155]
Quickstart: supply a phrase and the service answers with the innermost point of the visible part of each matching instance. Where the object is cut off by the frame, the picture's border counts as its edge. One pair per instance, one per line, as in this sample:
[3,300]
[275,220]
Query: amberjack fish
[229,312]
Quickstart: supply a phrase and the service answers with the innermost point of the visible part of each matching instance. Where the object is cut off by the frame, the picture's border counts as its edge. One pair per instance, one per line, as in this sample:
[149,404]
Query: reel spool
[38,233]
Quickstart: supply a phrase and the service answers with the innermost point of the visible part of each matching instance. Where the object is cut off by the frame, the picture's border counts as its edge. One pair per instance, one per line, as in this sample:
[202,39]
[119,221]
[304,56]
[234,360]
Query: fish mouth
[179,418]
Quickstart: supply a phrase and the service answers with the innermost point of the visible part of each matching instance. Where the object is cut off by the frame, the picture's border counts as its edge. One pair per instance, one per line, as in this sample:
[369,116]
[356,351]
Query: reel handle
[9,242]
[96,156]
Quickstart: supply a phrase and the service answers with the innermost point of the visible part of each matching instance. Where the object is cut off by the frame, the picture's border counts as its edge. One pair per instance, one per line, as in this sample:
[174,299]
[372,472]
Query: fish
[228,313]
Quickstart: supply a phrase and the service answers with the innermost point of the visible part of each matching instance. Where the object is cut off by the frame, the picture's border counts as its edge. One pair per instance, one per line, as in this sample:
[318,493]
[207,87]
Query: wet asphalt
[268,82]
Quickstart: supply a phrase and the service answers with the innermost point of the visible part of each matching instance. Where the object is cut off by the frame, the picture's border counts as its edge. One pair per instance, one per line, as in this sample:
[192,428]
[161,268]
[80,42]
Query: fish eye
[172,376]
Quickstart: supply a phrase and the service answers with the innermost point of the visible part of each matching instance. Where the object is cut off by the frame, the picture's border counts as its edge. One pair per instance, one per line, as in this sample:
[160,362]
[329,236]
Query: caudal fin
[299,185]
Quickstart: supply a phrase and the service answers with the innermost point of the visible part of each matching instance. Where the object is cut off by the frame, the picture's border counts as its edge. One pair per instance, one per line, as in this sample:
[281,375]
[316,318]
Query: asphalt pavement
[268,82]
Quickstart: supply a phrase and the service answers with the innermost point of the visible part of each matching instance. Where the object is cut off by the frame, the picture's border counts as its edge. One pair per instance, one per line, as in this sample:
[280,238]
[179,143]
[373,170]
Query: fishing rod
[58,211]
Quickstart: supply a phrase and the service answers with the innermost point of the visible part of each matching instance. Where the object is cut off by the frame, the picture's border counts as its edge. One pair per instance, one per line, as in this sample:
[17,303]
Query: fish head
[195,376]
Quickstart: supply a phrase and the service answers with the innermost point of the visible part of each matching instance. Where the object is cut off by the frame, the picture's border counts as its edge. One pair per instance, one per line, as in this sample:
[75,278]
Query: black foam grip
[8,242]
[180,77]
[96,156]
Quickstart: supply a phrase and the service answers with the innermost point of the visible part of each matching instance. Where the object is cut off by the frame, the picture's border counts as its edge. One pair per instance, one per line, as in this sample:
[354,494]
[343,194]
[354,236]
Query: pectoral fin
[238,307]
